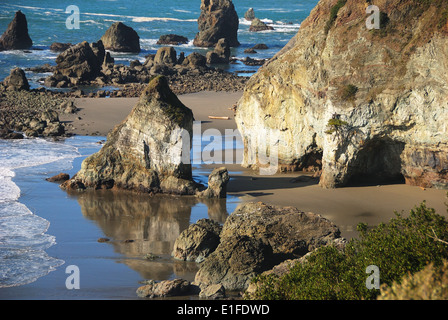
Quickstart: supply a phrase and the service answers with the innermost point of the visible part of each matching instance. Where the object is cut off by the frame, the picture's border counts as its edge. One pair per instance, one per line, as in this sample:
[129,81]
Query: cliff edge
[359,104]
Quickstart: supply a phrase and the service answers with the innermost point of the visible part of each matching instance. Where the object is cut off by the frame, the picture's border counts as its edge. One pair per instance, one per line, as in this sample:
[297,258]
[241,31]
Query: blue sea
[34,213]
[151,19]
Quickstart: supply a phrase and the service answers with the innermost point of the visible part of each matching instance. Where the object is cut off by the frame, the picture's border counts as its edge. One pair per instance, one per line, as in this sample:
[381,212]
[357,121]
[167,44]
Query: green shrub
[334,14]
[348,92]
[398,248]
[335,125]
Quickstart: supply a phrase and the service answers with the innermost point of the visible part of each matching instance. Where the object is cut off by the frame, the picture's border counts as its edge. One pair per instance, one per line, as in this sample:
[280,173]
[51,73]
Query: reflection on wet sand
[138,225]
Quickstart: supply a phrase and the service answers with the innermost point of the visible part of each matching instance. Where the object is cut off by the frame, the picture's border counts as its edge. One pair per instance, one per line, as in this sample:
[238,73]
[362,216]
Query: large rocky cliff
[357,103]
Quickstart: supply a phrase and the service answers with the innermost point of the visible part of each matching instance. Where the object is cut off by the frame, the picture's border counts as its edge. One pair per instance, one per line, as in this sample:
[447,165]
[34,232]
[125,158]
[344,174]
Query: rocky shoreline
[256,238]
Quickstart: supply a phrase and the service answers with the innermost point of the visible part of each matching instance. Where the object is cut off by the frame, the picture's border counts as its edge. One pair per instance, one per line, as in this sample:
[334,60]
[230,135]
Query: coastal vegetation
[399,248]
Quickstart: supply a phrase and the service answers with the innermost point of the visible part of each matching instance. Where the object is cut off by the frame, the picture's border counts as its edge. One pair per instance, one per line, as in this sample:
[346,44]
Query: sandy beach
[346,207]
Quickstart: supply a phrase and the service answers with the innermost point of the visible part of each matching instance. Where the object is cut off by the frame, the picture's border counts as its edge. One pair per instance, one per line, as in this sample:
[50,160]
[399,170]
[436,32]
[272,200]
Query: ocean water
[151,19]
[23,237]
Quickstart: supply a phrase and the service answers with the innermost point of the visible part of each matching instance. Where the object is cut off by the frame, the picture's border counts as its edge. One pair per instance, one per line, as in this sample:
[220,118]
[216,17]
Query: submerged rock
[16,35]
[172,39]
[258,25]
[165,288]
[145,150]
[121,38]
[363,105]
[218,20]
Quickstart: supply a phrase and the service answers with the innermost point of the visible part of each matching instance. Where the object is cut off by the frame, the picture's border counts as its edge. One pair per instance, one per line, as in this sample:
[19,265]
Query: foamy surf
[23,237]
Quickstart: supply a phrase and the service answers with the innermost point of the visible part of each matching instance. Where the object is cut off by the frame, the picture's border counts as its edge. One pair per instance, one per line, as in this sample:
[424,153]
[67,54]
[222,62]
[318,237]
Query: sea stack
[360,104]
[16,36]
[121,38]
[143,153]
[218,20]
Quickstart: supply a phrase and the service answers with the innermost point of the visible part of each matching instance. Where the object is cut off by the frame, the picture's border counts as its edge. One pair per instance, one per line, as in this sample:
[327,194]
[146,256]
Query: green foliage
[402,246]
[335,125]
[348,92]
[334,14]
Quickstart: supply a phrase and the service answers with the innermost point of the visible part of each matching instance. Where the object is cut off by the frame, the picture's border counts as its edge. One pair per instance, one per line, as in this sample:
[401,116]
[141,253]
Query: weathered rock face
[363,103]
[217,184]
[221,53]
[79,63]
[165,288]
[16,35]
[121,38]
[218,20]
[198,241]
[257,236]
[143,153]
[16,80]
[250,14]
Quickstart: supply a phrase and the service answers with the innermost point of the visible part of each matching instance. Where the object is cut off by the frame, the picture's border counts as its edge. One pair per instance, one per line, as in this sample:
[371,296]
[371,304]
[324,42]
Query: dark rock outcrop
[59,46]
[16,80]
[218,20]
[217,184]
[221,53]
[16,35]
[256,237]
[172,39]
[78,64]
[143,153]
[258,25]
[121,38]
[198,241]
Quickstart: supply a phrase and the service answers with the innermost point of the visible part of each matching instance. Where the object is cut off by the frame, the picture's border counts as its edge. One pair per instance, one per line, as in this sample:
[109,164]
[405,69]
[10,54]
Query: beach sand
[346,207]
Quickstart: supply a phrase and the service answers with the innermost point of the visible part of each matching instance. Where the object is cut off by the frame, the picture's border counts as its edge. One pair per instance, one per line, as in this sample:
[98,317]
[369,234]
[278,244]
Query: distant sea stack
[121,38]
[218,20]
[16,36]
[360,105]
[139,152]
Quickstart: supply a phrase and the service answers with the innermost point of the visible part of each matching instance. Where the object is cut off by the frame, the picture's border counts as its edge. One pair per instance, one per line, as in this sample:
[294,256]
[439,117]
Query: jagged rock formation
[172,39]
[78,64]
[354,102]
[256,237]
[16,35]
[121,38]
[142,153]
[250,14]
[218,20]
[16,80]
[221,53]
[217,184]
[258,25]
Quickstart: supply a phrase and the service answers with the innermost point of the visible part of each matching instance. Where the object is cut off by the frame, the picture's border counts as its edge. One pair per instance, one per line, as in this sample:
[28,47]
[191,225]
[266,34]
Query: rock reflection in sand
[138,225]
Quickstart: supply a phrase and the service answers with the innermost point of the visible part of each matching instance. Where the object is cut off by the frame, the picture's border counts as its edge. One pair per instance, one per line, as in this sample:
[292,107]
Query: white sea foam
[23,237]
